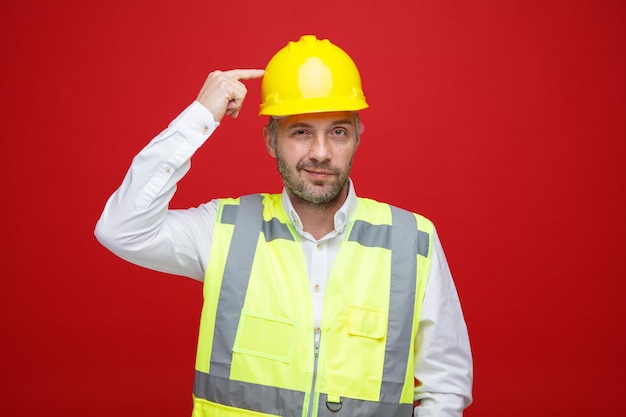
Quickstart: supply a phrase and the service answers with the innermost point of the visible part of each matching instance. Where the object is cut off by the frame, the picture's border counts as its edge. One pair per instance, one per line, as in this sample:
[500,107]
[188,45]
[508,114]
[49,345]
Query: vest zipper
[317,351]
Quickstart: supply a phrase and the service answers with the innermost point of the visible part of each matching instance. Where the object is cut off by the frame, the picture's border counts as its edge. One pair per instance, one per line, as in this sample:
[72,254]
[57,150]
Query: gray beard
[304,192]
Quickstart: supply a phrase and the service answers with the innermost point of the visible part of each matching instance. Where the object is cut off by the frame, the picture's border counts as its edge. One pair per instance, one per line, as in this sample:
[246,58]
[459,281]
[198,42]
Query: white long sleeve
[443,360]
[136,224]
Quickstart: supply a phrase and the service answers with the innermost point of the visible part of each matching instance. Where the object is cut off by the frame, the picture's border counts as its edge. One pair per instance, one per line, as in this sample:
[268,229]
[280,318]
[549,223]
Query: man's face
[314,154]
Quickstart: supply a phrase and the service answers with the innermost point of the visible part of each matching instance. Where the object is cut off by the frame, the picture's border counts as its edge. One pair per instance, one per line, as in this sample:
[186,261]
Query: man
[316,302]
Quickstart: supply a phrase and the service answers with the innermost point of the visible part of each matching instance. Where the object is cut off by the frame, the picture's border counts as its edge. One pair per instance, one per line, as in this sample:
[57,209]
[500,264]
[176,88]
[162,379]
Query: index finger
[245,74]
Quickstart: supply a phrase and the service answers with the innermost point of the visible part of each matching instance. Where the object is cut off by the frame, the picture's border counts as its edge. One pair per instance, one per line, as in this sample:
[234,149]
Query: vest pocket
[265,336]
[367,322]
[204,408]
[353,355]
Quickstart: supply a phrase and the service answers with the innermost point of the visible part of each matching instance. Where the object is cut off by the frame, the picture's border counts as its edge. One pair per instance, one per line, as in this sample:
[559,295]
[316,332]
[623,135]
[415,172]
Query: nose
[320,148]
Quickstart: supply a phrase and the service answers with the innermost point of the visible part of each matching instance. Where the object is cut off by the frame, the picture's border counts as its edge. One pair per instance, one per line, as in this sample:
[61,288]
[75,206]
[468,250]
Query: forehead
[318,119]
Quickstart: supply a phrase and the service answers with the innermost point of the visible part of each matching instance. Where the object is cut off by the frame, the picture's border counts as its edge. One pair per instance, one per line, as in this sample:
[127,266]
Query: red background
[502,121]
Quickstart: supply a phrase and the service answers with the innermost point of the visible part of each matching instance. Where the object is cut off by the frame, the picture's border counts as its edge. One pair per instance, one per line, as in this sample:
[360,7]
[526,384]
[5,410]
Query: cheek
[294,151]
[345,155]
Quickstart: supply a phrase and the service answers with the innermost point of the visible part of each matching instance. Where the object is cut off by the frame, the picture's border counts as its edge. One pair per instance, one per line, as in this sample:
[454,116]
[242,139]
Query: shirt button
[317,287]
[320,246]
[205,130]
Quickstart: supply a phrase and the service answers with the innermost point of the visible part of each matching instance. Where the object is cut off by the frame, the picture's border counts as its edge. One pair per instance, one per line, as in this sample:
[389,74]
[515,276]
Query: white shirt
[137,225]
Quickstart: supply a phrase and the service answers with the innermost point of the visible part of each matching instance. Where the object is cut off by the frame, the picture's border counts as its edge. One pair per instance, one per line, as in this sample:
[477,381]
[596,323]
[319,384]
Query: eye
[299,133]
[339,132]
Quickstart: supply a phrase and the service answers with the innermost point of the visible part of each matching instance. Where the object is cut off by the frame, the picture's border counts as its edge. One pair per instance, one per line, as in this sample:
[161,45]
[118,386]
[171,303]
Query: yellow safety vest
[256,352]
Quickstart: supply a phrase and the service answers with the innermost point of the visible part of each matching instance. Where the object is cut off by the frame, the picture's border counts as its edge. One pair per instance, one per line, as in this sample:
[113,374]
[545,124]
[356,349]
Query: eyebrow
[297,125]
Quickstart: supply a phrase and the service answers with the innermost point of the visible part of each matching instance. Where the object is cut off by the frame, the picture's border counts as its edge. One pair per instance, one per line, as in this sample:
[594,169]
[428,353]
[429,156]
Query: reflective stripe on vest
[402,238]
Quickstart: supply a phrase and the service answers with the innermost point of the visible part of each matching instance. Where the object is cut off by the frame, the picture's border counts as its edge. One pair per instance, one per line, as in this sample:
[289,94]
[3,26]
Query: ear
[361,129]
[268,142]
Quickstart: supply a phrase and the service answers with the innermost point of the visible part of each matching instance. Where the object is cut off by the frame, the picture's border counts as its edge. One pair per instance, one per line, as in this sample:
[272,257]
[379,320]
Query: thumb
[233,108]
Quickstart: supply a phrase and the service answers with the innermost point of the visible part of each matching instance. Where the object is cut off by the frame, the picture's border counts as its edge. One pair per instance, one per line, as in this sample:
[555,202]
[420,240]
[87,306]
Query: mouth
[319,174]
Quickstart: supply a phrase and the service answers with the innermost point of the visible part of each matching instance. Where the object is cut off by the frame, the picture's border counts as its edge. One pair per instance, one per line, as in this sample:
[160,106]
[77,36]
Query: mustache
[318,166]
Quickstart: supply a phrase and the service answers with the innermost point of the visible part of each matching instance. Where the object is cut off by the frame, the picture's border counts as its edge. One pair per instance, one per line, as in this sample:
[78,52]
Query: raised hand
[223,92]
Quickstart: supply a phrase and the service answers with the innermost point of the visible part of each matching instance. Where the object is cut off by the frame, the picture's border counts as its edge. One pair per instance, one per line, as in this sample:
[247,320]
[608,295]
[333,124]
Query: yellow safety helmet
[311,76]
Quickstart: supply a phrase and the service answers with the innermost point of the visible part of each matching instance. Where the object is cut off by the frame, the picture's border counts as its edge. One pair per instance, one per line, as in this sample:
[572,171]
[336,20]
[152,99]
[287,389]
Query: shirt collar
[343,216]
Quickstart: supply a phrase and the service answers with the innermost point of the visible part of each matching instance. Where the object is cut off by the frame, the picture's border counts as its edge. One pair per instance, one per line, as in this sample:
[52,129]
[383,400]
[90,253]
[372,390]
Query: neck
[318,219]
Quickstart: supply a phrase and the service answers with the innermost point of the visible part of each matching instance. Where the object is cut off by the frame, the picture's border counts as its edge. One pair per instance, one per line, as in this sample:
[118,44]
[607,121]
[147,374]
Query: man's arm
[443,359]
[136,223]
